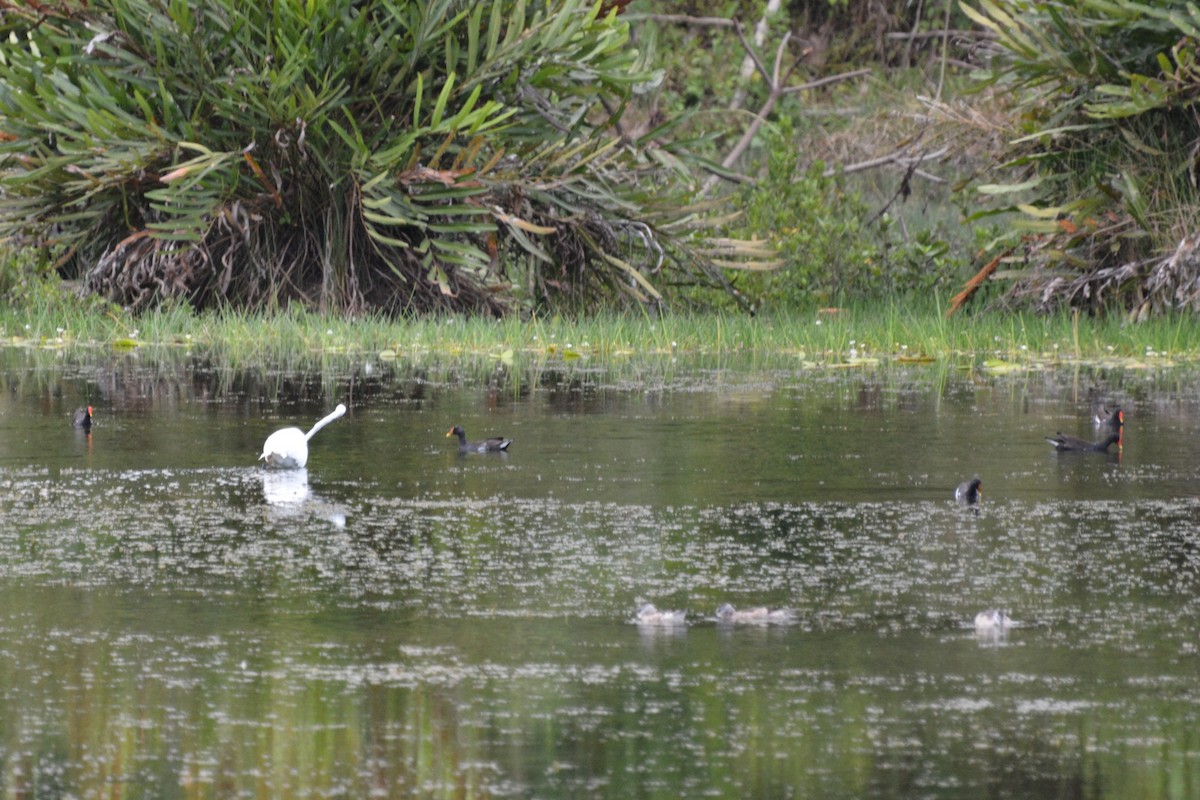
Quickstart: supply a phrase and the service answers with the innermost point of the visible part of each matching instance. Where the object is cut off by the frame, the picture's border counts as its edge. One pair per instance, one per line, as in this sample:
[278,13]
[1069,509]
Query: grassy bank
[861,334]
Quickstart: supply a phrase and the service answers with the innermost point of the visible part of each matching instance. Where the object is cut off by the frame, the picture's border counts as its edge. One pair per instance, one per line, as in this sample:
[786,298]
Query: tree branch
[750,60]
[804,87]
[761,67]
[891,158]
[775,82]
[684,19]
[775,79]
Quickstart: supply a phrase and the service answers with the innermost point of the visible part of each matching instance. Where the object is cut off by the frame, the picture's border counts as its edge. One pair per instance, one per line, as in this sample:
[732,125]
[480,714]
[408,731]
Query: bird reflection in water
[285,487]
[288,494]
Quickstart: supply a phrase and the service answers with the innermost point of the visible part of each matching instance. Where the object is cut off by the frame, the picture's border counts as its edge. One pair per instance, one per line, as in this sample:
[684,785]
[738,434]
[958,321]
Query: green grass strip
[858,335]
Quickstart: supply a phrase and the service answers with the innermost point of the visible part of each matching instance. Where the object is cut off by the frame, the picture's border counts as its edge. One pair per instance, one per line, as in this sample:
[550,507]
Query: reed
[859,334]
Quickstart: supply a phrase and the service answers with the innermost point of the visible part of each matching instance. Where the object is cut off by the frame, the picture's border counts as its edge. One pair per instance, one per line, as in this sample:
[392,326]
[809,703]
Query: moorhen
[288,448]
[83,418]
[1069,444]
[495,444]
[969,492]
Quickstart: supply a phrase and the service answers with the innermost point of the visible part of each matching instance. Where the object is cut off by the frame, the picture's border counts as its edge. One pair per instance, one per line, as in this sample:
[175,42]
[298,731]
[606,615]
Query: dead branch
[908,45]
[938,34]
[753,56]
[891,158]
[945,53]
[751,60]
[684,19]
[804,87]
[775,81]
[775,78]
[971,286]
[929,176]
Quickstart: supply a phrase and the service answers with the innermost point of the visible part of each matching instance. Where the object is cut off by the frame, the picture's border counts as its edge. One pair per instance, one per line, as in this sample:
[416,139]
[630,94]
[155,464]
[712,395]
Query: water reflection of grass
[150,377]
[859,335]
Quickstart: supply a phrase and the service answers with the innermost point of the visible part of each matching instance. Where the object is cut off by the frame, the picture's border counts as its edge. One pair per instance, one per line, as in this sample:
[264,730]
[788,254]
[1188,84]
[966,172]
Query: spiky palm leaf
[1102,163]
[394,154]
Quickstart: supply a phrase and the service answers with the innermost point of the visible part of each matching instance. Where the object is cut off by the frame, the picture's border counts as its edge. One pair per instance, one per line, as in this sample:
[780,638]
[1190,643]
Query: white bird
[288,448]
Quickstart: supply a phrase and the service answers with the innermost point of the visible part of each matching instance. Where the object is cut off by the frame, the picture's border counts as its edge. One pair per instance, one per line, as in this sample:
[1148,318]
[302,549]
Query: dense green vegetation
[836,178]
[1100,150]
[860,335]
[407,156]
[540,156]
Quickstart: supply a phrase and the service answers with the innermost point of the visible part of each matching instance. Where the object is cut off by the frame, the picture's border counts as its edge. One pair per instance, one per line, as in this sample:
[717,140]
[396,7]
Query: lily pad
[1001,367]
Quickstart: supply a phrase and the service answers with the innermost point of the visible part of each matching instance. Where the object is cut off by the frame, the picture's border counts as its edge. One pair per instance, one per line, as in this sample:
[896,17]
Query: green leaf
[439,107]
[416,103]
[1008,188]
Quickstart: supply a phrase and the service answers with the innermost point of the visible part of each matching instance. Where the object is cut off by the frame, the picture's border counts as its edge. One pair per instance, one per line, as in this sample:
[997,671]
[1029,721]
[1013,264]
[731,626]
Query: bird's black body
[1069,444]
[969,492]
[496,444]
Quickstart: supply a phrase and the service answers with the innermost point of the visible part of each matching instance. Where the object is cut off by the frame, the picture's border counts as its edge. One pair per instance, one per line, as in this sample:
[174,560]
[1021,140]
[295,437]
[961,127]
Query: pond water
[401,621]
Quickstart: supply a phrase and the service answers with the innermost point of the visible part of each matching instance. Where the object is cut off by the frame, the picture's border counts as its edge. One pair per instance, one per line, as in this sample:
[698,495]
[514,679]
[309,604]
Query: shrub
[832,243]
[1100,165]
[390,154]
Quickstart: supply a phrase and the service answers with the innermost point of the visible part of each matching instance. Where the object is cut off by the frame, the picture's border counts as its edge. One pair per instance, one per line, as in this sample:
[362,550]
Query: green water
[400,621]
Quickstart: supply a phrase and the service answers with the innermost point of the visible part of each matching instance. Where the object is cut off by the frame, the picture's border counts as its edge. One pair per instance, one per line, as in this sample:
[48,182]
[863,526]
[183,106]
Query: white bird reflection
[285,487]
[288,494]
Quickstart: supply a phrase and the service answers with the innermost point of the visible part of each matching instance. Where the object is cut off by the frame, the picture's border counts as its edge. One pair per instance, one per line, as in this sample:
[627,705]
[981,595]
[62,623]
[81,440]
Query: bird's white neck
[337,412]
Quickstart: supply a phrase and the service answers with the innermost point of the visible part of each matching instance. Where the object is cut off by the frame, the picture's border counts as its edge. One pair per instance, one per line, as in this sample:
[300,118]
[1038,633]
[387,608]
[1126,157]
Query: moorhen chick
[992,620]
[647,614]
[83,418]
[969,492]
[755,616]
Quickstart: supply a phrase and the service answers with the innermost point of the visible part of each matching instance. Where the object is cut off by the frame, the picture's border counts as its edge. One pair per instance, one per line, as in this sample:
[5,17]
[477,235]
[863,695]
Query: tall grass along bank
[856,336]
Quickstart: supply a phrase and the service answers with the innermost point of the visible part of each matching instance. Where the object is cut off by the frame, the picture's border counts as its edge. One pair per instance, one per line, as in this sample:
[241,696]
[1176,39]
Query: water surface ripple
[398,621]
